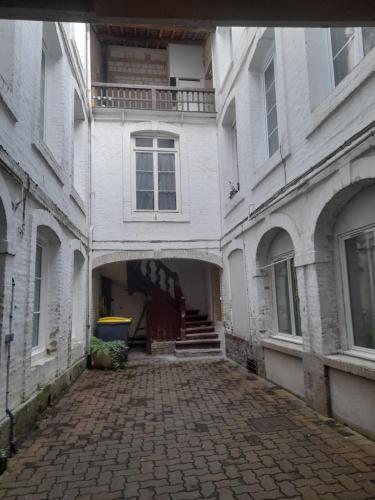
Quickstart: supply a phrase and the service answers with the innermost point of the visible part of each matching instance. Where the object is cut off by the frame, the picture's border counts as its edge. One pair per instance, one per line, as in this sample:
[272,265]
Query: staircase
[201,339]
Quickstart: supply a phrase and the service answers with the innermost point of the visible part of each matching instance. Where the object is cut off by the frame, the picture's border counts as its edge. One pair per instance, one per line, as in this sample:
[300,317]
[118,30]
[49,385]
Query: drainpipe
[90,189]
[8,341]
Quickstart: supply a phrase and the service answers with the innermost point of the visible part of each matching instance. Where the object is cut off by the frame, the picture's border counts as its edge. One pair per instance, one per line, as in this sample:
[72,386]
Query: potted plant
[108,355]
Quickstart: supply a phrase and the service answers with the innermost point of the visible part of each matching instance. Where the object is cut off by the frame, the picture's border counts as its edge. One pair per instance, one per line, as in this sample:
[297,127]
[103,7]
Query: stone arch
[45,228]
[125,255]
[275,245]
[327,267]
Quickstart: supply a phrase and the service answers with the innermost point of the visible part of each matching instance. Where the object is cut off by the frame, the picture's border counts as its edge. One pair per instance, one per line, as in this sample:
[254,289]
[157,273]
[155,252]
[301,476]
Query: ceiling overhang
[202,13]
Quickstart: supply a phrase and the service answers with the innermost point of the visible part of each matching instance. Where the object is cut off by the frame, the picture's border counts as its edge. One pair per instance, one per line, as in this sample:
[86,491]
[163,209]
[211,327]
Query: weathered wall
[38,196]
[313,123]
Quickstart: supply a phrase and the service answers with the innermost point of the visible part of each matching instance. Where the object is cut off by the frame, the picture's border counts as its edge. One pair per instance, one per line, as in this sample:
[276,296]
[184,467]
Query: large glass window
[155,161]
[360,263]
[271,108]
[37,295]
[286,298]
[349,46]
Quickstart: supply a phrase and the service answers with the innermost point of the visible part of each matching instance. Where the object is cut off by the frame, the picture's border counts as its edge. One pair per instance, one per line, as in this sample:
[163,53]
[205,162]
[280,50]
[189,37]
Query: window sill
[232,203]
[156,217]
[286,346]
[270,165]
[78,200]
[357,77]
[352,362]
[40,358]
[49,158]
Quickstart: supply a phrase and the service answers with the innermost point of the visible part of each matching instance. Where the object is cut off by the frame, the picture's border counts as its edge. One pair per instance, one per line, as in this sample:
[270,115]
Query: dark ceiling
[192,13]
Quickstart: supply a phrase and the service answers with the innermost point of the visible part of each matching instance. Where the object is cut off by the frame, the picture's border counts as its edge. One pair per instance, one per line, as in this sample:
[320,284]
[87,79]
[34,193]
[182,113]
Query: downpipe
[8,341]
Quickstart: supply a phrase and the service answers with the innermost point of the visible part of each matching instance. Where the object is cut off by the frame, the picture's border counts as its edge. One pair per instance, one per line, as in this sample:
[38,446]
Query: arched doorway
[174,303]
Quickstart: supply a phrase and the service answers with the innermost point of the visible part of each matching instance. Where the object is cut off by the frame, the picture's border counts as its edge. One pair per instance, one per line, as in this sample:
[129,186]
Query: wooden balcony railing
[106,95]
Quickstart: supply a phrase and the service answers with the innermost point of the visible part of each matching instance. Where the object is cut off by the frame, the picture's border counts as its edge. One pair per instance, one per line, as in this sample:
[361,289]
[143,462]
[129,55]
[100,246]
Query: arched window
[156,173]
[284,285]
[355,237]
[45,287]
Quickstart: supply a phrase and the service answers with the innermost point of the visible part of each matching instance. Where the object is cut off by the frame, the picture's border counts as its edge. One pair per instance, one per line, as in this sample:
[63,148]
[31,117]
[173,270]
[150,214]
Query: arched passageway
[169,300]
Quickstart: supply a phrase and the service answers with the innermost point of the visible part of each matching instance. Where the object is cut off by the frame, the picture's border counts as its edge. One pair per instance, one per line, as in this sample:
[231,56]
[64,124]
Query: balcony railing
[119,96]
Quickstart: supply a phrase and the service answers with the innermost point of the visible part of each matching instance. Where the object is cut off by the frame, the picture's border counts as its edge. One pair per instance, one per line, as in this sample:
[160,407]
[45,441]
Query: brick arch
[126,255]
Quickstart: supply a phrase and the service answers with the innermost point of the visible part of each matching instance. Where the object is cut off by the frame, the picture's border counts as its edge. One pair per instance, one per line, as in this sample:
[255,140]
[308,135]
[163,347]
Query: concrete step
[198,323]
[198,353]
[196,317]
[201,329]
[198,344]
[191,312]
[202,335]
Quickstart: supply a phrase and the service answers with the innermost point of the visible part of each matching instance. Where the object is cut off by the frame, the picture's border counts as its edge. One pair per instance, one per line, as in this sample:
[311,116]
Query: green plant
[113,349]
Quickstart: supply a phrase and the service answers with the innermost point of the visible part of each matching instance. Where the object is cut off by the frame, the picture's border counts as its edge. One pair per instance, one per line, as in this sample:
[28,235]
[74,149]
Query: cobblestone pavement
[188,430]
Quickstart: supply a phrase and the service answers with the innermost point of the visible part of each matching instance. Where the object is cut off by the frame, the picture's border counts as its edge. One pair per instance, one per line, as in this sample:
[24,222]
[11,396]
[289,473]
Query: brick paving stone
[187,430]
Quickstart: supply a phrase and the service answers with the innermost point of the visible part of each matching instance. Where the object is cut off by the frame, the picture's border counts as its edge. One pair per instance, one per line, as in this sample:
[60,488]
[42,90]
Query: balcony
[152,98]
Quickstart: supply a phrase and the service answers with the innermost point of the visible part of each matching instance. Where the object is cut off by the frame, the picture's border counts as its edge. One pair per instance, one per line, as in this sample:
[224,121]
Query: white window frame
[359,53]
[155,151]
[288,336]
[271,58]
[349,337]
[43,306]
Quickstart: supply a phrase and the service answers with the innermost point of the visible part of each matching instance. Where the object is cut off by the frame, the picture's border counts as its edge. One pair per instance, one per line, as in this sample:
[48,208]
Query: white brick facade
[325,157]
[38,197]
[71,184]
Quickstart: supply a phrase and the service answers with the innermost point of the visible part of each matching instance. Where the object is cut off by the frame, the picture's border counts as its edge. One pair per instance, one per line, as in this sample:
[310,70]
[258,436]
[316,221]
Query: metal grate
[252,365]
[271,424]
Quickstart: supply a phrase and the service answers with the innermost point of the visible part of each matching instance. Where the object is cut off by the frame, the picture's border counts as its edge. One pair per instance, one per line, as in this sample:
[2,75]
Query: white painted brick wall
[17,134]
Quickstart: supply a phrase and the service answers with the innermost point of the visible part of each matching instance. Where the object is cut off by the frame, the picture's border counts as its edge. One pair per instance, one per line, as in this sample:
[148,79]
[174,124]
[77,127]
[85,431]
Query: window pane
[360,258]
[297,316]
[37,295]
[38,262]
[269,76]
[272,121]
[145,200]
[271,109]
[167,182]
[271,98]
[273,142]
[35,339]
[145,181]
[342,52]
[167,201]
[144,162]
[143,142]
[165,143]
[282,298]
[166,162]
[368,35]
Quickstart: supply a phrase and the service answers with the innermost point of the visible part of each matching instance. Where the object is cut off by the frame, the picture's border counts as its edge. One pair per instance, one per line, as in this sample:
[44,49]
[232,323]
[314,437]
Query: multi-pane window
[271,108]
[37,296]
[349,46]
[360,290]
[155,164]
[42,97]
[286,300]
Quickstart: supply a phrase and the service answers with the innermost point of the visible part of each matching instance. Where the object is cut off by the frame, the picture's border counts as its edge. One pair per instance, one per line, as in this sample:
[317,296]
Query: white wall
[43,199]
[186,61]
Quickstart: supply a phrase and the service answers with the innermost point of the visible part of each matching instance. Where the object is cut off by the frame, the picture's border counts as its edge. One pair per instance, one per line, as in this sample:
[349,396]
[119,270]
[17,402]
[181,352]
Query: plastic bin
[113,328]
